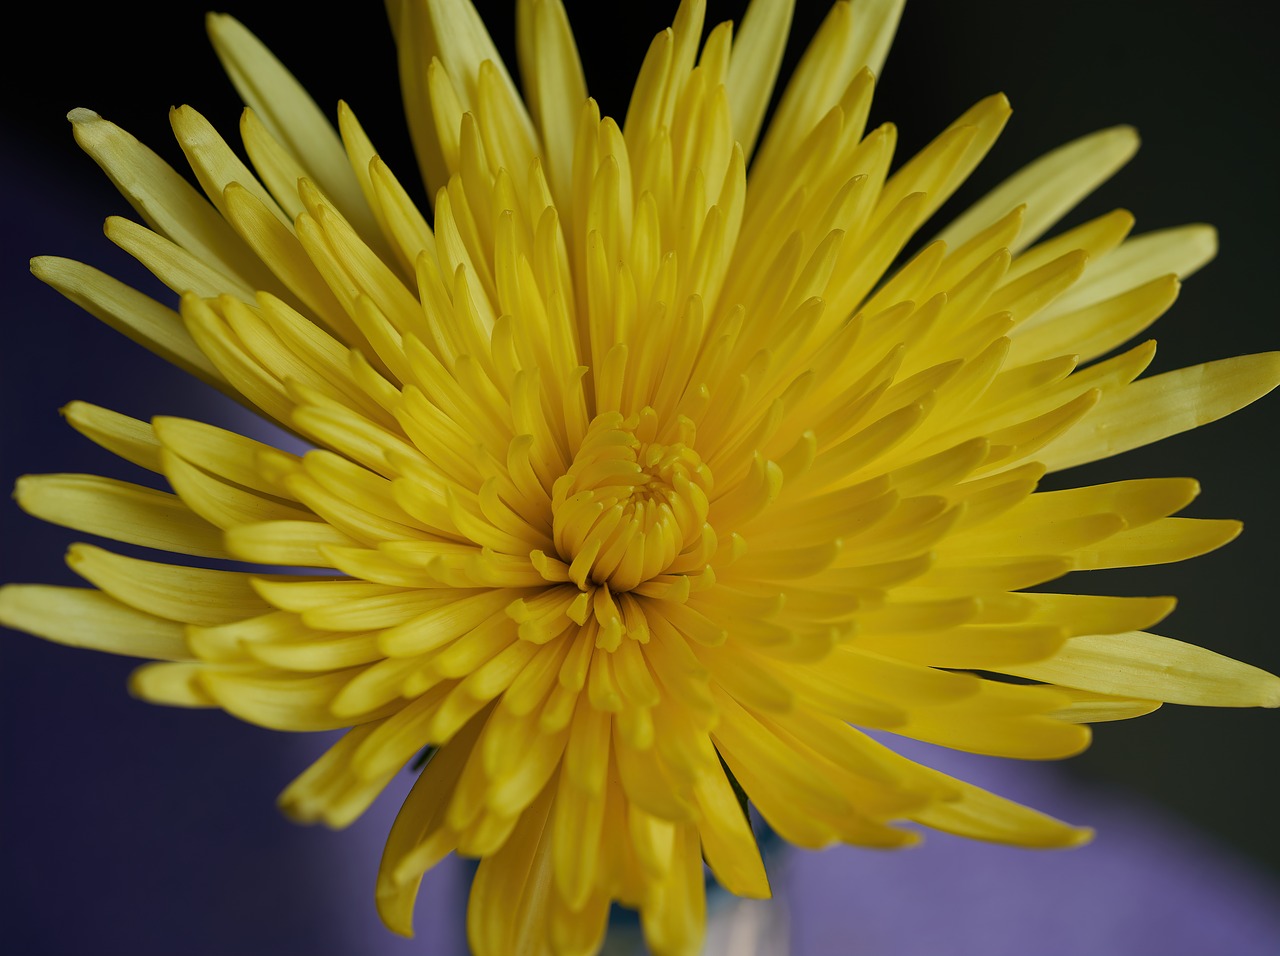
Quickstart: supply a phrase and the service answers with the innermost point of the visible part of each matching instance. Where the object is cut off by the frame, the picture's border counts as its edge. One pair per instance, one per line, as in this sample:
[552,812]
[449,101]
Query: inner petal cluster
[633,505]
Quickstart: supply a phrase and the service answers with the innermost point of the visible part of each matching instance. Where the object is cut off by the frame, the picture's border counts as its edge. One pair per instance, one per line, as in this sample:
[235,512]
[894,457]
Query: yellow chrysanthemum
[637,472]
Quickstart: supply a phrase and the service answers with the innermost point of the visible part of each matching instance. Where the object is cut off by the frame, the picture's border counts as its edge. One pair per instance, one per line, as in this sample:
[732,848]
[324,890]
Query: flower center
[632,501]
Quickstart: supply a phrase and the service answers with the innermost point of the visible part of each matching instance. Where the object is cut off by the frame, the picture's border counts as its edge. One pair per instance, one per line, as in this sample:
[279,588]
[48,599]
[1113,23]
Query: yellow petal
[1049,187]
[147,322]
[288,112]
[190,595]
[753,66]
[1147,666]
[164,199]
[979,815]
[82,617]
[120,511]
[127,437]
[1163,405]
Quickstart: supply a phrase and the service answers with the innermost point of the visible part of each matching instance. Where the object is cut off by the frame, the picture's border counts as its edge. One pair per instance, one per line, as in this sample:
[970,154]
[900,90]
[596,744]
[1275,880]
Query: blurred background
[131,828]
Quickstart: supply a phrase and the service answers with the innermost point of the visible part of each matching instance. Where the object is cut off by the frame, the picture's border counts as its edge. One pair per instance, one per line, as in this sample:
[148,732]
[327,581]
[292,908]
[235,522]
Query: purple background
[135,829]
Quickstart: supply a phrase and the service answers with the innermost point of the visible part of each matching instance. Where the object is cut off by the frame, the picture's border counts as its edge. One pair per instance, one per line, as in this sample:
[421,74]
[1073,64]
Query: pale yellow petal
[452,33]
[1181,251]
[164,199]
[190,595]
[1049,187]
[675,911]
[289,113]
[753,67]
[854,36]
[215,164]
[82,617]
[171,264]
[1163,405]
[1142,665]
[120,511]
[556,87]
[146,321]
[132,440]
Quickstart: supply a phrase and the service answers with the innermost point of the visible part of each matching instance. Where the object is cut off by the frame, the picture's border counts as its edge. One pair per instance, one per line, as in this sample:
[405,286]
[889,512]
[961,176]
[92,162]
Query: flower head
[639,470]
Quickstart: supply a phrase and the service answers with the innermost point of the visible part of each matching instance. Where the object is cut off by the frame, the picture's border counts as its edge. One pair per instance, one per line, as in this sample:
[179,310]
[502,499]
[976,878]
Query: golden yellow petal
[418,838]
[325,792]
[674,914]
[175,685]
[511,889]
[279,700]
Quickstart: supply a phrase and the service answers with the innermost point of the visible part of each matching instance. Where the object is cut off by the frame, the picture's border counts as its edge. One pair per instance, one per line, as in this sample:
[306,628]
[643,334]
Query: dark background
[107,802]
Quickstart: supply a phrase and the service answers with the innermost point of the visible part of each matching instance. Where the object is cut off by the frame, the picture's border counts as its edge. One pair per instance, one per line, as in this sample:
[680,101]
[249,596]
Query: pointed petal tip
[42,266]
[136,684]
[1167,604]
[288,805]
[1126,215]
[1272,362]
[1078,836]
[22,490]
[999,103]
[1260,369]
[216,22]
[9,598]
[1268,691]
[1206,232]
[394,914]
[1123,133]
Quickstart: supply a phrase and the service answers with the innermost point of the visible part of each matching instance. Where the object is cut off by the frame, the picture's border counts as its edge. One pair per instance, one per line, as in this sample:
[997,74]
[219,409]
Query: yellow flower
[641,469]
